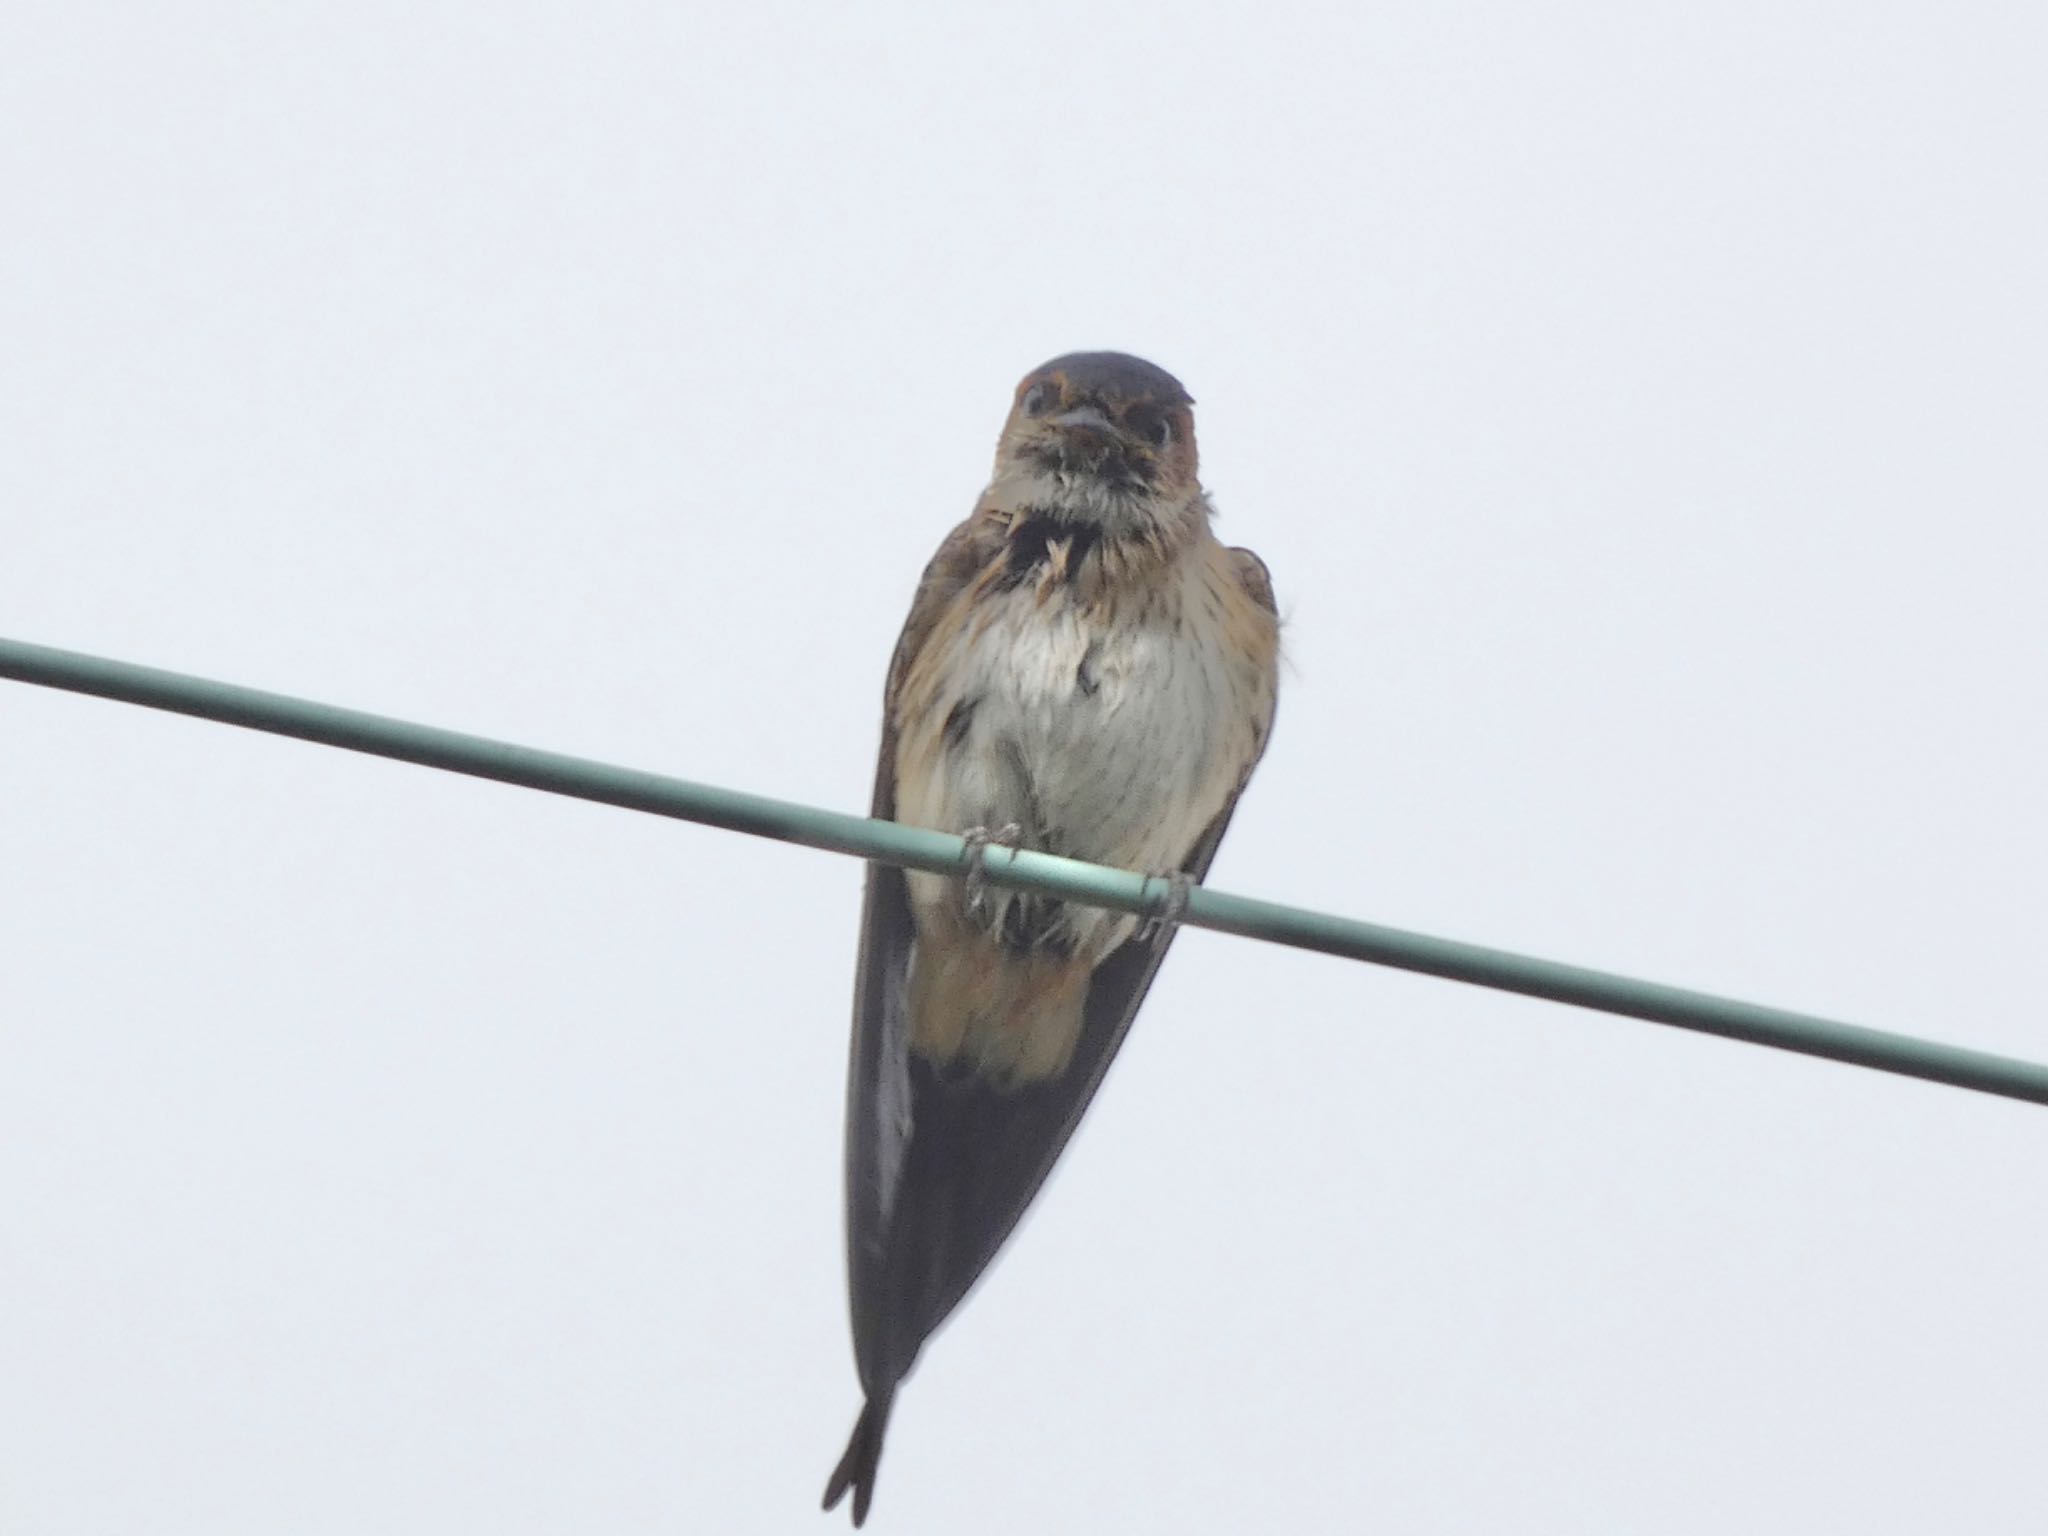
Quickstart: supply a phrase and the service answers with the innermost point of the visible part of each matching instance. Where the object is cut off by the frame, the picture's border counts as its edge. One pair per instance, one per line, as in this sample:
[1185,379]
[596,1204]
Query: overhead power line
[1092,884]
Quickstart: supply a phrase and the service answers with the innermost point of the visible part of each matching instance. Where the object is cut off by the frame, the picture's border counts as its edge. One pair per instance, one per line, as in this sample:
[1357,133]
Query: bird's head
[1099,437]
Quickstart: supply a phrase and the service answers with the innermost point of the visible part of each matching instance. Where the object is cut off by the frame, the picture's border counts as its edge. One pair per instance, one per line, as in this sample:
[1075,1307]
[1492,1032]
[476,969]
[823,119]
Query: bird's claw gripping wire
[1158,928]
[974,858]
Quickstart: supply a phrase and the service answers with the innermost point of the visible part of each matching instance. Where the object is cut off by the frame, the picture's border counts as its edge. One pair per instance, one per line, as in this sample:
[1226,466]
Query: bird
[1086,671]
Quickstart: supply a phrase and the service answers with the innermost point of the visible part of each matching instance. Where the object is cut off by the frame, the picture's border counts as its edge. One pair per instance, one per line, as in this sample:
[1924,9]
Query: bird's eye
[1038,399]
[1151,424]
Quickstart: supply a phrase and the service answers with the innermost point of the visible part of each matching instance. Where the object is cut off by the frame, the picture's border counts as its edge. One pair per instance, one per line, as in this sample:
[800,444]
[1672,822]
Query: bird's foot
[974,859]
[1158,928]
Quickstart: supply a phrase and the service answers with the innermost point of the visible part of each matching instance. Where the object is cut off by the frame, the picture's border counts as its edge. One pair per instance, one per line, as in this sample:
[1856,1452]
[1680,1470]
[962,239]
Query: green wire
[1093,884]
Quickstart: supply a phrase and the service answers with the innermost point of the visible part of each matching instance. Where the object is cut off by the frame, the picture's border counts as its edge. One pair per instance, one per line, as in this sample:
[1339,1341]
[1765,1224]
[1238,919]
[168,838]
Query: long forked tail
[856,1469]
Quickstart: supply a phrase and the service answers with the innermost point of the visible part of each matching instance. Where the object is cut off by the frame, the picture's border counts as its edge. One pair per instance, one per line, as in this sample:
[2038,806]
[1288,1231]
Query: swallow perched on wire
[1085,671]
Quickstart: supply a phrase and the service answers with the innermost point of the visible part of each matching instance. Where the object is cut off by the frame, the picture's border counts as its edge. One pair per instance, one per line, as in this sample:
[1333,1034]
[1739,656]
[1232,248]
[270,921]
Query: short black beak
[1086,421]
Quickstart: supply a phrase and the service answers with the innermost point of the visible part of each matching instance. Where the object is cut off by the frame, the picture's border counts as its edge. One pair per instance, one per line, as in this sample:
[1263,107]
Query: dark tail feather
[856,1469]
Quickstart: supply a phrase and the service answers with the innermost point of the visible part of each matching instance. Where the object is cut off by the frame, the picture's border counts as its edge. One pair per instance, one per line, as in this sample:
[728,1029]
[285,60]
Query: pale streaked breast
[1114,734]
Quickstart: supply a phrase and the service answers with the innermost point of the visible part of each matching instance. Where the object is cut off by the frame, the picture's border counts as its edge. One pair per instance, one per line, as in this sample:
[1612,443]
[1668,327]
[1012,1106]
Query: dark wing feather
[978,1155]
[878,1101]
[940,1168]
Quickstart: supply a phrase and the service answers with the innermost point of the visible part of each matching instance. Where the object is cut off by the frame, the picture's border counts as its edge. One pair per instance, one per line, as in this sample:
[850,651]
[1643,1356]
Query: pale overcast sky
[1642,409]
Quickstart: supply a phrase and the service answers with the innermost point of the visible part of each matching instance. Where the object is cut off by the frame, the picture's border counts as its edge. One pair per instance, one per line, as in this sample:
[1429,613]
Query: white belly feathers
[1117,743]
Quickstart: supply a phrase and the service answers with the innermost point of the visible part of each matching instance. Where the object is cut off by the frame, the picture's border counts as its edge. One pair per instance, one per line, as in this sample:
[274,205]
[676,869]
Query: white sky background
[1642,411]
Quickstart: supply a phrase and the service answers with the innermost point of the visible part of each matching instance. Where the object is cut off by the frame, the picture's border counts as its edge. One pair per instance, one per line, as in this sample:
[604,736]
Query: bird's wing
[940,1169]
[878,1093]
